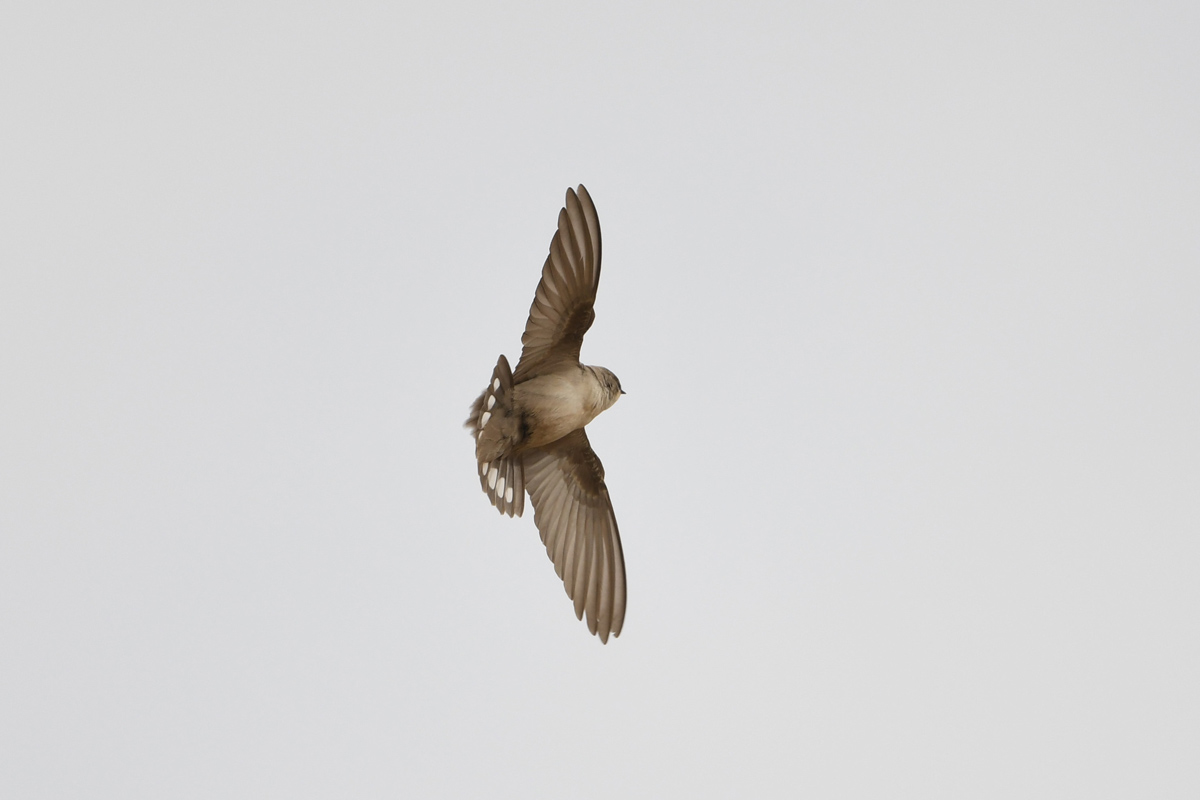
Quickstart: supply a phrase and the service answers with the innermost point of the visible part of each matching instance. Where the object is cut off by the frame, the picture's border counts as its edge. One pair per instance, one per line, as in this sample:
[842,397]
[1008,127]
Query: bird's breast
[557,404]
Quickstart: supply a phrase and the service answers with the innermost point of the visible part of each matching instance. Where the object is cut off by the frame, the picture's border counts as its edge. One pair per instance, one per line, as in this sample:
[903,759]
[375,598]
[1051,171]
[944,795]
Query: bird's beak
[622,391]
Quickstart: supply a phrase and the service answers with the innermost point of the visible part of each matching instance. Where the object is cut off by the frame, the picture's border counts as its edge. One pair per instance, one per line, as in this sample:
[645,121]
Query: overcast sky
[906,299]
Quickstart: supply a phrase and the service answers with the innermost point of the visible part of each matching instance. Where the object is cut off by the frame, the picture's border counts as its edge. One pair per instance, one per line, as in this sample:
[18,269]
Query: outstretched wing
[562,307]
[574,515]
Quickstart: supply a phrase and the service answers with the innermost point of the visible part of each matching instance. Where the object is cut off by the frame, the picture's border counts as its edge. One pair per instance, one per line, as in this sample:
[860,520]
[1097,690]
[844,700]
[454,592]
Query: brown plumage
[528,426]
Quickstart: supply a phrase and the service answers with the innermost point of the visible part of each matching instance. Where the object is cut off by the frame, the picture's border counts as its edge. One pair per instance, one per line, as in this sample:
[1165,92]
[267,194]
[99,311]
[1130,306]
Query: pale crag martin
[528,426]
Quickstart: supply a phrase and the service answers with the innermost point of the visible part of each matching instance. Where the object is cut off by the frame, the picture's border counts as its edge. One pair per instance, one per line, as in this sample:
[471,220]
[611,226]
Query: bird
[528,426]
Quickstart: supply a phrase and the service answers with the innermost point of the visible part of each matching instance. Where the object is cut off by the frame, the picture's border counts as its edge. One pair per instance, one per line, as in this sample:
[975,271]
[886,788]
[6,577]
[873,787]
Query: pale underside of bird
[528,426]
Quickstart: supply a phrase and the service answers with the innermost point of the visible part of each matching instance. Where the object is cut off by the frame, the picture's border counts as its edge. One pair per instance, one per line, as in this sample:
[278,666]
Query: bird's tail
[497,431]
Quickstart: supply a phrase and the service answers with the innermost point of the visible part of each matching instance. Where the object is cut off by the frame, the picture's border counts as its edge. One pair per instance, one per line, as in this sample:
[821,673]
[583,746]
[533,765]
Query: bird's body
[528,426]
[559,402]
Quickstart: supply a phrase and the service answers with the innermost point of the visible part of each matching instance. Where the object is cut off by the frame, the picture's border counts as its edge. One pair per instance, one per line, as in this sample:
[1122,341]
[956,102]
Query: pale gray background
[906,299]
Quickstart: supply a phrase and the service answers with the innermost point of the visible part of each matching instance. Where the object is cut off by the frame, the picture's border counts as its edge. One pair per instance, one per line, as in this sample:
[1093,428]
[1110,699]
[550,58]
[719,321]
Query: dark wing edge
[561,312]
[574,516]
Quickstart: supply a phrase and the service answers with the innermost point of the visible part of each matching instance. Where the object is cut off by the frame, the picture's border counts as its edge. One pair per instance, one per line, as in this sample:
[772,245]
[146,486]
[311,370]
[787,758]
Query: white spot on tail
[508,495]
[492,473]
[484,419]
[500,486]
[491,402]
[495,384]
[483,468]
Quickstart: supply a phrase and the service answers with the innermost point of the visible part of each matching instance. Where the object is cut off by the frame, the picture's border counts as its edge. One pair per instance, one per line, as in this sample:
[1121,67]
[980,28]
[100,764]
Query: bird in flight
[528,426]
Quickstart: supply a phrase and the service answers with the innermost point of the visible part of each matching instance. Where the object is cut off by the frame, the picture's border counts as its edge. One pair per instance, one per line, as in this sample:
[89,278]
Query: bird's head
[612,386]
